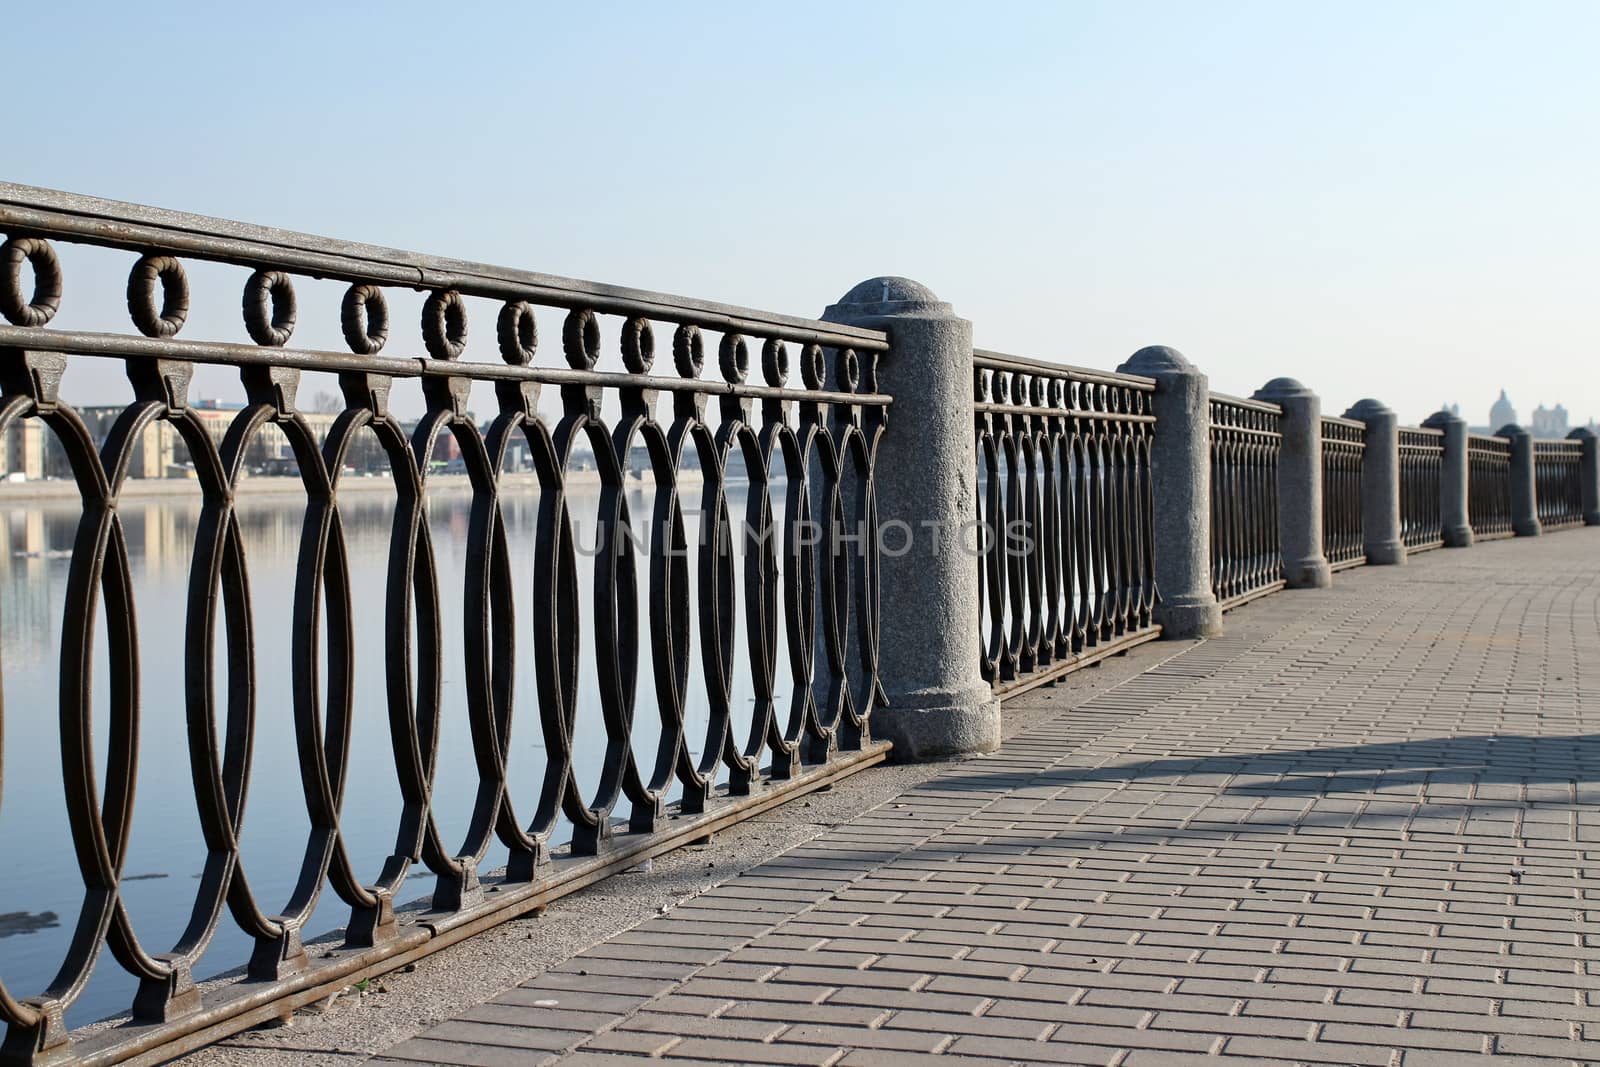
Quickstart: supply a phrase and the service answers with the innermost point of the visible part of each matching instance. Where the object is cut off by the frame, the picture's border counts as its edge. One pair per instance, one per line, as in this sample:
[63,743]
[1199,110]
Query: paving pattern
[1360,828]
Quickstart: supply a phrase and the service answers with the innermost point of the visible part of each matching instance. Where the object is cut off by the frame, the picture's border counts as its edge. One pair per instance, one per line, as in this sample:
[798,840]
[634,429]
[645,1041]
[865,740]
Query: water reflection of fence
[1343,443]
[1557,475]
[1421,468]
[1489,486]
[1066,515]
[819,434]
[1246,557]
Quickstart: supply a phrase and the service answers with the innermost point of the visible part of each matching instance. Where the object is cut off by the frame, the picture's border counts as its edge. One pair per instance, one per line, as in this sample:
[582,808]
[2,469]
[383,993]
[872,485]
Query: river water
[40,887]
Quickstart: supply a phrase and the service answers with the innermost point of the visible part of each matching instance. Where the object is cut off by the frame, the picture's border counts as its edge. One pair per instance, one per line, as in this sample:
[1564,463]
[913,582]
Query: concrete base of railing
[948,724]
[1189,617]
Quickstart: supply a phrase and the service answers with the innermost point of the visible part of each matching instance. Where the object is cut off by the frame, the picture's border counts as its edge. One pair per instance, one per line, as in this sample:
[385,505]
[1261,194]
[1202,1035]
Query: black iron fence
[726,584]
[1066,515]
[1246,557]
[1421,470]
[733,609]
[1489,486]
[1343,443]
[1557,477]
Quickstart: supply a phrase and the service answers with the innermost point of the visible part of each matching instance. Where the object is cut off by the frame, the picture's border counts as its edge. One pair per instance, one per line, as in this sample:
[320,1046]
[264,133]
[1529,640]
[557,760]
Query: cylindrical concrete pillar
[1180,471]
[939,703]
[1524,488]
[1299,483]
[1380,482]
[1457,524]
[1590,473]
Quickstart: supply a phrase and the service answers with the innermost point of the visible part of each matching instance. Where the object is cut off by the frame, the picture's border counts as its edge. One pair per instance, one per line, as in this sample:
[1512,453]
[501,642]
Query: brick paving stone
[753,1053]
[1361,827]
[457,1054]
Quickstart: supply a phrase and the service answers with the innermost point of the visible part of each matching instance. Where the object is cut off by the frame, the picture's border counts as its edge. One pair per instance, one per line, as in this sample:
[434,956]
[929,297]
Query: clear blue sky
[1388,199]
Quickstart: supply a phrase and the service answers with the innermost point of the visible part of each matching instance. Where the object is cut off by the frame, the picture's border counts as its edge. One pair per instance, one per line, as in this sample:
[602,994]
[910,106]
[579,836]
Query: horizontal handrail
[986,359]
[30,211]
[1329,421]
[1249,405]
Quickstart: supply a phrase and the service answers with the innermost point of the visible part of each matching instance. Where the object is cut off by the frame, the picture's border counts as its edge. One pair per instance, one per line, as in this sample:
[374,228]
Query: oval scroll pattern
[1246,556]
[769,604]
[1489,485]
[1558,478]
[1421,471]
[1343,446]
[1066,517]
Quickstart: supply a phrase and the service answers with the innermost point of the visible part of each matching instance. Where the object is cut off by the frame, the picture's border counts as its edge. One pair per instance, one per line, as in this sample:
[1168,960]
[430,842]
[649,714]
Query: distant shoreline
[66,491]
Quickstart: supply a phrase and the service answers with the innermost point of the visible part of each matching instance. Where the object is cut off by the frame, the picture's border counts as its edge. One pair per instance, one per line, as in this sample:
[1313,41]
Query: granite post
[1524,488]
[1299,483]
[1453,485]
[939,703]
[1589,473]
[1380,483]
[1180,470]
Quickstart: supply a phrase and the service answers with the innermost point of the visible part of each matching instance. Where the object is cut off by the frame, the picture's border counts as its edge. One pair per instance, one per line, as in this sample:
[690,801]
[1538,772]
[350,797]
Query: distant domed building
[1502,414]
[1549,422]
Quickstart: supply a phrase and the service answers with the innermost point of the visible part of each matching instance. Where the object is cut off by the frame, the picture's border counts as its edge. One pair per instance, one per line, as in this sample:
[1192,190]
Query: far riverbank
[60,490]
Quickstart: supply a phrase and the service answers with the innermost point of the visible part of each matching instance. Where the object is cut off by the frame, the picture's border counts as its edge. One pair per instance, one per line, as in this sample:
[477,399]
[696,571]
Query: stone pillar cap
[886,295]
[1153,361]
[1582,433]
[1511,429]
[1442,417]
[1282,389]
[1362,410]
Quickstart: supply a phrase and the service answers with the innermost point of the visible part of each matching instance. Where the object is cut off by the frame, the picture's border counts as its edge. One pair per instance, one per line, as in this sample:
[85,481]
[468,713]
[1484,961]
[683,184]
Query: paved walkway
[1358,829]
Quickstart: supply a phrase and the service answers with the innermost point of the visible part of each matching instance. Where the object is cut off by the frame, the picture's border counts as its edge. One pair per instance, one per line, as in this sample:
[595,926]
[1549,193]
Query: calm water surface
[40,887]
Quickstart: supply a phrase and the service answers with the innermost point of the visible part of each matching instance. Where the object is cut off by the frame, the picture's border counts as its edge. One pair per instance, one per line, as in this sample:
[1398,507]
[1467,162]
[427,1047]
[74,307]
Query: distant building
[29,451]
[1549,422]
[22,449]
[1502,413]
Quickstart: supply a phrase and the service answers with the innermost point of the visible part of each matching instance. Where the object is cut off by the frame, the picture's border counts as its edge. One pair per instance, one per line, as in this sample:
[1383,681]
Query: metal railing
[1067,574]
[810,445]
[1558,482]
[1246,557]
[1489,486]
[1343,444]
[1421,471]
